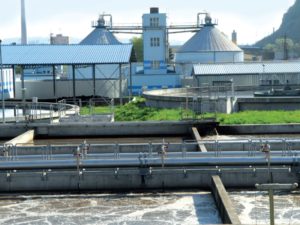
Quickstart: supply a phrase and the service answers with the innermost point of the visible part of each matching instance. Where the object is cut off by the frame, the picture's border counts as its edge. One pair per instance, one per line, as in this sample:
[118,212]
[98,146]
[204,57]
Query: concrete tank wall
[138,178]
[177,98]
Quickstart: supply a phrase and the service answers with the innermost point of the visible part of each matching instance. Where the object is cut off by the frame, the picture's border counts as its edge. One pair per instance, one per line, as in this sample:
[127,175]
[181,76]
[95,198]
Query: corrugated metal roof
[209,39]
[247,68]
[65,54]
[100,36]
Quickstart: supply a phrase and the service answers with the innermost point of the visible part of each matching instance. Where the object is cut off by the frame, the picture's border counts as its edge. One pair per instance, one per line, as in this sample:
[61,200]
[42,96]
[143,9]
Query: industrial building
[100,35]
[208,45]
[59,39]
[248,74]
[154,73]
[155,42]
[69,55]
[208,58]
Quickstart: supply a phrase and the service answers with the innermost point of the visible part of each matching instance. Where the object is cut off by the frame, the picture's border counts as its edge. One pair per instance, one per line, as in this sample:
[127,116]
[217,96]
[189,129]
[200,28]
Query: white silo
[208,45]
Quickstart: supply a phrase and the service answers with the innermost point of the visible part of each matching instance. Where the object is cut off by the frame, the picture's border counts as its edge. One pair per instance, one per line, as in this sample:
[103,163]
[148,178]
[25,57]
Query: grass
[260,117]
[137,111]
[96,110]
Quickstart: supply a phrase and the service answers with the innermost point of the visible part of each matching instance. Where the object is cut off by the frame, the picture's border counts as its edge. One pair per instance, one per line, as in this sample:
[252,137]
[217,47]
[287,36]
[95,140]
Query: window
[269,82]
[222,83]
[155,42]
[154,22]
[155,65]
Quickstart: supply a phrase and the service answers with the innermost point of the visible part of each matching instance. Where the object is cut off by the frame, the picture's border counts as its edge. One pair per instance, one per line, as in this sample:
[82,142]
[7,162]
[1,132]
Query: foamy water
[253,207]
[111,209]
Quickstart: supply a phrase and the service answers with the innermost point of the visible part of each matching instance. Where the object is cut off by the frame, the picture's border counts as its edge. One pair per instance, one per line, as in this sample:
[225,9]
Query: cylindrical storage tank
[208,45]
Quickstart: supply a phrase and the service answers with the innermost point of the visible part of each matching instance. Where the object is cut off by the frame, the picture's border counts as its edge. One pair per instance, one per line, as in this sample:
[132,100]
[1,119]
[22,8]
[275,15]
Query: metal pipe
[120,85]
[54,80]
[74,83]
[2,84]
[151,154]
[94,79]
[198,17]
[14,80]
[148,162]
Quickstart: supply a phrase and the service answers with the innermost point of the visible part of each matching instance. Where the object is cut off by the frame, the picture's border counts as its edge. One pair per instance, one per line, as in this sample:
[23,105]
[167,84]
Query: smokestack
[23,24]
[234,37]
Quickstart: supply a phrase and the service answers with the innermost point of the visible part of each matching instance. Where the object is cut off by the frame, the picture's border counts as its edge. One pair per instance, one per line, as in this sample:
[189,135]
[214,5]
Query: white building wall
[64,89]
[209,57]
[7,84]
[250,79]
[186,61]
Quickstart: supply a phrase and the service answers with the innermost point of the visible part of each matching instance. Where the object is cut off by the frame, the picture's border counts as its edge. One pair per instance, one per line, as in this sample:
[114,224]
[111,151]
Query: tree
[297,48]
[138,47]
[280,42]
[268,52]
[281,45]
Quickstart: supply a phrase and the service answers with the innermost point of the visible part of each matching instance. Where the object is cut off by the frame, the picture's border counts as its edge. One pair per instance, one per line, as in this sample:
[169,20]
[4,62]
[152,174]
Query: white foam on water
[167,208]
[253,207]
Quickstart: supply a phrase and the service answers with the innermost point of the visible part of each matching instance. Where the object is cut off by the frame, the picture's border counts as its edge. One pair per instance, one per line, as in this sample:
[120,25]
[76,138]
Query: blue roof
[247,68]
[65,54]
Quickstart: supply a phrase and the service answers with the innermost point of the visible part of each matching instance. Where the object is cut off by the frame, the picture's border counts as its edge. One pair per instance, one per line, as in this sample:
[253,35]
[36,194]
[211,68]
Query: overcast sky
[252,19]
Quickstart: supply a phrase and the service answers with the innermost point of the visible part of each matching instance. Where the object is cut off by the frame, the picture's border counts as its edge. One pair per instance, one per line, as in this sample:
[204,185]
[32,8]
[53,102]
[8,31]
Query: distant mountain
[290,26]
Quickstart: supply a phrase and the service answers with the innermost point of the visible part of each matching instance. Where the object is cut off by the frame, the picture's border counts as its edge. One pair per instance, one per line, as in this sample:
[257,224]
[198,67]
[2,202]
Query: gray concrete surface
[120,129]
[119,179]
[24,138]
[259,129]
[268,103]
[198,138]
[223,202]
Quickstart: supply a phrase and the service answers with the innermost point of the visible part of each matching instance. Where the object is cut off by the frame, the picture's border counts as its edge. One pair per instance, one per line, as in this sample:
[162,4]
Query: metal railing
[31,111]
[186,149]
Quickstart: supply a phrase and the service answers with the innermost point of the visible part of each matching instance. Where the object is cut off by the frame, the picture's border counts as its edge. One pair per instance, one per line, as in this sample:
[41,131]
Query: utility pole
[285,49]
[2,84]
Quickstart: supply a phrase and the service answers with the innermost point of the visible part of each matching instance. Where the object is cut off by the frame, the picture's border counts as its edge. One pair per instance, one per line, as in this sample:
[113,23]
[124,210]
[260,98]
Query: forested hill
[290,26]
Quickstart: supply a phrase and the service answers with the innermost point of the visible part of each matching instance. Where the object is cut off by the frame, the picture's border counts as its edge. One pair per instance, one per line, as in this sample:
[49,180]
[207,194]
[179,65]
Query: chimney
[234,37]
[154,10]
[23,24]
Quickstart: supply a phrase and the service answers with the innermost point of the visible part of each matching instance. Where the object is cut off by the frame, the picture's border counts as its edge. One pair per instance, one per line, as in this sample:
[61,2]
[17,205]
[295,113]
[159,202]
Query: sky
[251,19]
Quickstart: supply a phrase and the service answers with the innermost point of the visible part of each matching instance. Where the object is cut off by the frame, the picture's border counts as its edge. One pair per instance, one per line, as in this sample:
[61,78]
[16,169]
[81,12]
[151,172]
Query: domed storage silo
[209,45]
[101,35]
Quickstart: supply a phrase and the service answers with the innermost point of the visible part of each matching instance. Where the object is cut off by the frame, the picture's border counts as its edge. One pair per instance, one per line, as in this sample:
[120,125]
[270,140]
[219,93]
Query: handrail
[30,111]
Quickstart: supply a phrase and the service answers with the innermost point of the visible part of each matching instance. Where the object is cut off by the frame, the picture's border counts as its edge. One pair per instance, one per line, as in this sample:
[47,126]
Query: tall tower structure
[234,37]
[23,24]
[155,42]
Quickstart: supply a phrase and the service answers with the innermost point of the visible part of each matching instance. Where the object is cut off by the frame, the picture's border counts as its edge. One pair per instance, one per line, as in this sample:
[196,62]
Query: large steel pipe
[150,155]
[146,162]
